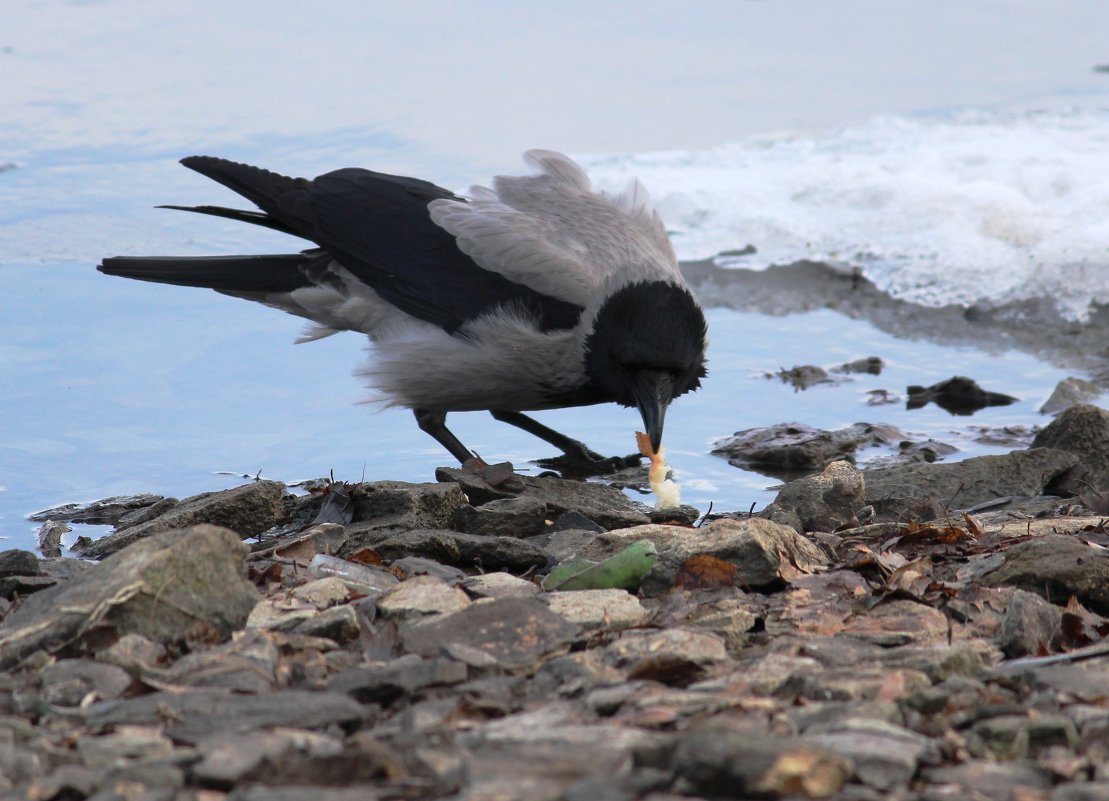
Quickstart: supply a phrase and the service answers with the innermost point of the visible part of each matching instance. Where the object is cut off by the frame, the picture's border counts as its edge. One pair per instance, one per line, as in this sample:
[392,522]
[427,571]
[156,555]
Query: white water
[966,208]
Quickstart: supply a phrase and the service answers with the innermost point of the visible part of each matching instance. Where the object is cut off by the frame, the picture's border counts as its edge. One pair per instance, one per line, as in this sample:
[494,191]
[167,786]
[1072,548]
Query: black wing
[378,227]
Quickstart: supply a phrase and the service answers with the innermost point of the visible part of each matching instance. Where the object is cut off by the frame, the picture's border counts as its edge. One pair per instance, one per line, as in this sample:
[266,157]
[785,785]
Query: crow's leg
[434,423]
[578,455]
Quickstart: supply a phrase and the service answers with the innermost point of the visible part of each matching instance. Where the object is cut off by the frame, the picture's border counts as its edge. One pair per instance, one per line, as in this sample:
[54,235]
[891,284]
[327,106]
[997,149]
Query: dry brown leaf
[705,571]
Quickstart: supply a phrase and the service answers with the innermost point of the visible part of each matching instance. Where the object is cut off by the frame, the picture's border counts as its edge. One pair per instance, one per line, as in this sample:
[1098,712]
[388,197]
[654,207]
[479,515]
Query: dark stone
[160,587]
[1031,626]
[386,682]
[385,508]
[958,395]
[429,543]
[893,490]
[247,510]
[795,446]
[573,520]
[103,512]
[822,502]
[509,517]
[515,632]
[1057,566]
[189,717]
[18,563]
[1084,431]
[498,553]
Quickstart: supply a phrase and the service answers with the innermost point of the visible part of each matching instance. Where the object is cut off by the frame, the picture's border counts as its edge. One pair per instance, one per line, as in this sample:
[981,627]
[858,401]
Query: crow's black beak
[653,392]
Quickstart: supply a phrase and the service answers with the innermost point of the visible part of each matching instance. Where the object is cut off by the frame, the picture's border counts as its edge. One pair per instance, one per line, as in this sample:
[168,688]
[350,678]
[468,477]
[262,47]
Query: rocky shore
[921,630]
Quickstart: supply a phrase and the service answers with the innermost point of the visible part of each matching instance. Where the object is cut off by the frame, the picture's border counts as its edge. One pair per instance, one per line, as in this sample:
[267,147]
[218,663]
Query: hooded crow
[537,293]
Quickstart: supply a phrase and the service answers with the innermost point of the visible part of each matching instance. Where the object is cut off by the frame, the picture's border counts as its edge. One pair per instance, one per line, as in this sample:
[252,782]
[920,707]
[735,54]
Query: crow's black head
[646,348]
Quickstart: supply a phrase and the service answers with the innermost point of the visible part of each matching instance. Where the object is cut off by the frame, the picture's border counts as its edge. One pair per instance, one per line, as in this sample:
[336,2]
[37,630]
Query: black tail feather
[239,215]
[275,273]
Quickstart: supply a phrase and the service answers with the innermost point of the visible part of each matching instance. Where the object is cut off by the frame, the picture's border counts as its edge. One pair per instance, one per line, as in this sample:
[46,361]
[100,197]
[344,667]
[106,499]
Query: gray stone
[606,506]
[1057,566]
[12,586]
[247,510]
[885,756]
[499,585]
[421,596]
[823,502]
[68,682]
[1031,626]
[515,632]
[339,623]
[728,761]
[523,516]
[1084,431]
[385,682]
[763,553]
[18,563]
[106,511]
[159,587]
[1007,780]
[1081,791]
[671,656]
[392,507]
[498,553]
[593,609]
[63,567]
[190,717]
[1070,392]
[1020,736]
[436,544]
[892,490]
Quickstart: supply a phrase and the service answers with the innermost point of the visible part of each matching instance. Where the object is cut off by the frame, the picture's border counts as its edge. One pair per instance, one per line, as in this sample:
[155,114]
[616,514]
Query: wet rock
[1057,567]
[795,446]
[514,632]
[103,512]
[871,365]
[18,563]
[383,508]
[1031,626]
[1069,392]
[592,609]
[146,513]
[1084,431]
[803,376]
[160,587]
[247,510]
[909,452]
[823,502]
[508,517]
[50,536]
[726,761]
[604,505]
[420,597]
[958,395]
[893,490]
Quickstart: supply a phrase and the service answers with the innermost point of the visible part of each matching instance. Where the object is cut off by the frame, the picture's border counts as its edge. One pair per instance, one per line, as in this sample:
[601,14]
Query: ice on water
[973,207]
